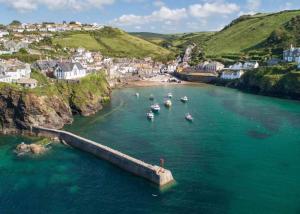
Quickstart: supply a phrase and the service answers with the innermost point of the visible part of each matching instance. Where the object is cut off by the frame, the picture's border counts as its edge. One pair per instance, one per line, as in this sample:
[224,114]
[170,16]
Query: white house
[236,66]
[3,33]
[69,70]
[230,74]
[15,69]
[250,65]
[246,66]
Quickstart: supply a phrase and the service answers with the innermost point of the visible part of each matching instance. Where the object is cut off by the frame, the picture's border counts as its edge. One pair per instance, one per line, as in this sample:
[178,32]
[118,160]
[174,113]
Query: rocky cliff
[51,106]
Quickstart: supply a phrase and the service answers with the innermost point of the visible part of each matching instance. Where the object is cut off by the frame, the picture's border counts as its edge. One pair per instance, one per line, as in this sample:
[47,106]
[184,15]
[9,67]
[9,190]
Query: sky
[160,16]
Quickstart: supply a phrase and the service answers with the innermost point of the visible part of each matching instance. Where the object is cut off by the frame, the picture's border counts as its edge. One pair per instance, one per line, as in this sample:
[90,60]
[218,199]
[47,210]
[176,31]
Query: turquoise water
[240,155]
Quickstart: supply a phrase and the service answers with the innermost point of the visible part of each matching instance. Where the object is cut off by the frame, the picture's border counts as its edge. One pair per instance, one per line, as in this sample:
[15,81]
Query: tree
[15,23]
[23,51]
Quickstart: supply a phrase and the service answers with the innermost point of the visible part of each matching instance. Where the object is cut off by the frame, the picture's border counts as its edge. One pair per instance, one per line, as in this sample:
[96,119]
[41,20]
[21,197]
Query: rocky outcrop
[35,149]
[19,111]
[52,106]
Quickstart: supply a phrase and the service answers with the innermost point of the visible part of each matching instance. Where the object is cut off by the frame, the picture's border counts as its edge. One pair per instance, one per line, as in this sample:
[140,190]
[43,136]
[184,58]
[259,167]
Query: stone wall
[155,174]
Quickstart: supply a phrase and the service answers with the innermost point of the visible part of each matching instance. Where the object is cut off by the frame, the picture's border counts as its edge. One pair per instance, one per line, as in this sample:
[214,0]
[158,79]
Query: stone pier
[153,173]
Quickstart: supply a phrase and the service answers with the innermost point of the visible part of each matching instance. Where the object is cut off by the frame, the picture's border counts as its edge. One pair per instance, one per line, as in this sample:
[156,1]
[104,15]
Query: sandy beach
[159,80]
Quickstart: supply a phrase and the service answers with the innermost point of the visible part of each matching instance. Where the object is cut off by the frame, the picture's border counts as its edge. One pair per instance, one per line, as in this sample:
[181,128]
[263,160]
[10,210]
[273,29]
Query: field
[246,32]
[114,43]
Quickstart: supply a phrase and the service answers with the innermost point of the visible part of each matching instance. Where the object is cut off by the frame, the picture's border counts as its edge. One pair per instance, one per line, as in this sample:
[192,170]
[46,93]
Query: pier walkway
[153,173]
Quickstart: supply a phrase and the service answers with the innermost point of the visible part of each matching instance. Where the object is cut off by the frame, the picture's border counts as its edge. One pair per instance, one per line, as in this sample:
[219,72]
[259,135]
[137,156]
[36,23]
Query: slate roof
[68,66]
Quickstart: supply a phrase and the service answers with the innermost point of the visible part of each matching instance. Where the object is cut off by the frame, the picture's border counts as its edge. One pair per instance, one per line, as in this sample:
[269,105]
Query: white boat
[184,99]
[189,117]
[170,95]
[168,103]
[150,115]
[137,94]
[155,108]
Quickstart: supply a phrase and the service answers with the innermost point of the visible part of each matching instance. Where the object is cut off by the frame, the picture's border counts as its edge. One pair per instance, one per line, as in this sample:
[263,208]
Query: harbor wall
[200,77]
[155,174]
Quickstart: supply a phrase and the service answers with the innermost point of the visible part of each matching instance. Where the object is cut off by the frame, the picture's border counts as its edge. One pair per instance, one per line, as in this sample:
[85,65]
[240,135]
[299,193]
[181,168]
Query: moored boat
[170,95]
[189,117]
[155,108]
[168,103]
[137,94]
[151,97]
[184,99]
[150,115]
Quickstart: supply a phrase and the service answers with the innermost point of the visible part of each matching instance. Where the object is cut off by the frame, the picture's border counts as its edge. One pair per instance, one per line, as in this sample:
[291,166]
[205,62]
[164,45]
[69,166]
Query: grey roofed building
[69,70]
[46,65]
[68,66]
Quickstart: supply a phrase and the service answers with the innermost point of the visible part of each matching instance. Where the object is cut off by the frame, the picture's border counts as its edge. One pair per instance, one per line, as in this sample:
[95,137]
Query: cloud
[210,9]
[29,5]
[253,4]
[167,15]
[158,3]
[164,14]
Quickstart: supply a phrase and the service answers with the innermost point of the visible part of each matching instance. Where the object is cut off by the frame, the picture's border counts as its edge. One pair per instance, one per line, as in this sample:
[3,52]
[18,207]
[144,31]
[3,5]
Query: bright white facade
[69,70]
[15,69]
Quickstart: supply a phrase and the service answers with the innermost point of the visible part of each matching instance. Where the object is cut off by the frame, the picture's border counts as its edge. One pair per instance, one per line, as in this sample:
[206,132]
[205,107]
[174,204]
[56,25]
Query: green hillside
[113,42]
[176,42]
[154,37]
[247,33]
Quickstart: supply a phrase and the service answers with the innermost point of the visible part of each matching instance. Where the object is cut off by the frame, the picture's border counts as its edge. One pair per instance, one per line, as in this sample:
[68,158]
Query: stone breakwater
[155,174]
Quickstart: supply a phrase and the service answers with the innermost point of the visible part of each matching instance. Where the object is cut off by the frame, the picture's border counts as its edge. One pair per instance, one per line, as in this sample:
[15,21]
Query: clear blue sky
[164,16]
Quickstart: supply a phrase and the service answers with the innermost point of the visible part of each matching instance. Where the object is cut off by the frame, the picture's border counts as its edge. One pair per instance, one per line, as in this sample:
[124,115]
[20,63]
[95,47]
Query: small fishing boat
[137,94]
[150,115]
[155,108]
[168,103]
[184,99]
[151,97]
[189,117]
[170,95]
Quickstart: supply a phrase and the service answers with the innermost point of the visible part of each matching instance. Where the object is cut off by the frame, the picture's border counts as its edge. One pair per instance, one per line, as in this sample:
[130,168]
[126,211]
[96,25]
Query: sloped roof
[68,66]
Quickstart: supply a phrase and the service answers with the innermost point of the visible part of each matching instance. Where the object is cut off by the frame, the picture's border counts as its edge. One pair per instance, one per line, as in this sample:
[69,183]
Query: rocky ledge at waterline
[52,105]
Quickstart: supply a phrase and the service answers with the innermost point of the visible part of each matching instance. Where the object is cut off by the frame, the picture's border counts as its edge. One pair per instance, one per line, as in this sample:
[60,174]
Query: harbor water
[241,154]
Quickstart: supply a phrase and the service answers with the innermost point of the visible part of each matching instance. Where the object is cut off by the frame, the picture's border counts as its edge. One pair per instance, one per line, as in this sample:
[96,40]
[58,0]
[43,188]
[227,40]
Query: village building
[27,82]
[47,67]
[205,67]
[246,66]
[3,33]
[5,78]
[232,74]
[213,67]
[169,68]
[292,54]
[69,70]
[15,69]
[13,46]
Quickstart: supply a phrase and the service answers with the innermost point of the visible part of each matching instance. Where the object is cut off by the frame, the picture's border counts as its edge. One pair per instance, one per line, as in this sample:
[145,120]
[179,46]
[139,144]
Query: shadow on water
[258,134]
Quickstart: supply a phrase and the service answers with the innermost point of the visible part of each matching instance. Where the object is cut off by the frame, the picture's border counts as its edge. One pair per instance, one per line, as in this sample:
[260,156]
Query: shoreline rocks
[33,148]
